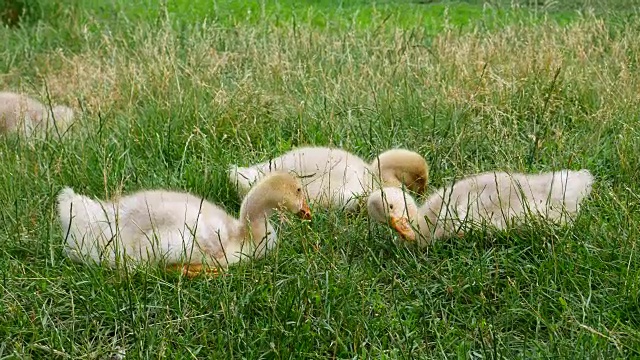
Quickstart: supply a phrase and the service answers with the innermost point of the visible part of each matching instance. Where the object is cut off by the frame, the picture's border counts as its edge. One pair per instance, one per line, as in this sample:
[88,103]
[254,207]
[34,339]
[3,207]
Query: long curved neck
[434,218]
[385,174]
[388,177]
[254,214]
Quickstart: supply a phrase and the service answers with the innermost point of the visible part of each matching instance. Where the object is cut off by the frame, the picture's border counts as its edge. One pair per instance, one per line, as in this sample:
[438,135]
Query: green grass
[170,101]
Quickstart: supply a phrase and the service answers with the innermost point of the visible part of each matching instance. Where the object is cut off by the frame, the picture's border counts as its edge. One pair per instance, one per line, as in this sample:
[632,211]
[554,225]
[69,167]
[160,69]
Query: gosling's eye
[391,206]
[299,190]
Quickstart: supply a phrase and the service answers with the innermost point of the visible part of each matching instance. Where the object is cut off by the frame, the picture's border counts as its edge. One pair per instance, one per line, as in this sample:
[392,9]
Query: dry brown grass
[281,71]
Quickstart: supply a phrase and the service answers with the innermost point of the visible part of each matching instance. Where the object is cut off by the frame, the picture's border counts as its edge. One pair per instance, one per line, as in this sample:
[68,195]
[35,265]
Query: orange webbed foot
[193,270]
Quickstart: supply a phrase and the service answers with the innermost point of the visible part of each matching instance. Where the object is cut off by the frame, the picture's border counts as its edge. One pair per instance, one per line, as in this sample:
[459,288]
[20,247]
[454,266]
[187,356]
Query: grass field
[171,95]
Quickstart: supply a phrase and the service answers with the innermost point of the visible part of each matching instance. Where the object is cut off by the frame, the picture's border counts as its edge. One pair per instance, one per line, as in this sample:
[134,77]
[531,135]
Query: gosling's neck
[432,223]
[411,210]
[254,215]
[386,175]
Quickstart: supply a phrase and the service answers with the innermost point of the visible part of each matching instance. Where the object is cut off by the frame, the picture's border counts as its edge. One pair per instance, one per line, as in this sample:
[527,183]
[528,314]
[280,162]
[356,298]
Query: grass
[170,101]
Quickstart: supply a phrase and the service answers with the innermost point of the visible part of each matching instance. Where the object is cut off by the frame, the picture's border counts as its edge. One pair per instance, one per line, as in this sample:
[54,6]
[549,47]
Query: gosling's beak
[402,226]
[305,212]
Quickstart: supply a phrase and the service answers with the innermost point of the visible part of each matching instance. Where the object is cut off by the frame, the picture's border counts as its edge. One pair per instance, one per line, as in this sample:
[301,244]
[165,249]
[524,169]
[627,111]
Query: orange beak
[305,212]
[402,226]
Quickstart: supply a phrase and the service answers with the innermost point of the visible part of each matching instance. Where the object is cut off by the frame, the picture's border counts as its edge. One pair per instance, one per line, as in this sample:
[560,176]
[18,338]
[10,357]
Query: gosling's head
[399,166]
[390,205]
[286,191]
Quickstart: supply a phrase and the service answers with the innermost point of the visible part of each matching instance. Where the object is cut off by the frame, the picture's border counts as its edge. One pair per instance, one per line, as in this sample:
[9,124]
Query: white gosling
[179,229]
[334,178]
[20,113]
[497,199]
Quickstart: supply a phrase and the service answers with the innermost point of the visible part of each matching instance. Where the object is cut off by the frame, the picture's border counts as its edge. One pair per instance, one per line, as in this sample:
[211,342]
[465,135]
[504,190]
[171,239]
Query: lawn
[170,95]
